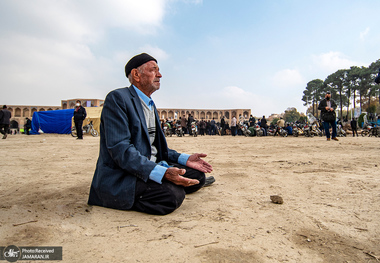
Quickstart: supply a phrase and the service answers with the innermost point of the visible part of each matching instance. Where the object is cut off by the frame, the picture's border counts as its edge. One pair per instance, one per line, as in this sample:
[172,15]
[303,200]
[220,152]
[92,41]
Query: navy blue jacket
[125,150]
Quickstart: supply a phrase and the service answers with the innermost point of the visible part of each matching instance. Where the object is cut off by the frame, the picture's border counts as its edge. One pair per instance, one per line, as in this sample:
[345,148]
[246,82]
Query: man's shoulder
[126,91]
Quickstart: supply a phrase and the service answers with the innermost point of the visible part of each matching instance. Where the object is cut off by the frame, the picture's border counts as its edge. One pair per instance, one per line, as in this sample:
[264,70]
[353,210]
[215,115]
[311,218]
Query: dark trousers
[161,199]
[326,125]
[355,130]
[4,128]
[233,130]
[78,127]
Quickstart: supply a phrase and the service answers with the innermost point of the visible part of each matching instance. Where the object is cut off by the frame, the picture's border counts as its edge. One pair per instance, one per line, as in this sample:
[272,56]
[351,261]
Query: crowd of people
[236,126]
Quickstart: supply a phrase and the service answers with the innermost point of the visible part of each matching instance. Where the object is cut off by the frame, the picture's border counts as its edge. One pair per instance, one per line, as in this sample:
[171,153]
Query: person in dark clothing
[263,124]
[189,121]
[223,126]
[354,127]
[27,126]
[252,121]
[327,107]
[79,116]
[136,170]
[5,116]
[377,79]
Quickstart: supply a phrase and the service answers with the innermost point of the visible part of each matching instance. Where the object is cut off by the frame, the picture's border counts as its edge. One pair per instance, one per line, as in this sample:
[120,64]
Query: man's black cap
[328,92]
[137,61]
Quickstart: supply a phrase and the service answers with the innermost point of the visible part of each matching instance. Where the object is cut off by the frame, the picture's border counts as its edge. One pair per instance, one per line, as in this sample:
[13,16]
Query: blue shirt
[158,172]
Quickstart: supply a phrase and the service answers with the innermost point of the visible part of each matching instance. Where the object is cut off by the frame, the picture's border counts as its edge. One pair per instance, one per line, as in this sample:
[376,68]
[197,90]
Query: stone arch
[171,114]
[33,110]
[233,113]
[246,114]
[208,115]
[202,115]
[25,112]
[41,109]
[164,114]
[50,109]
[227,114]
[215,115]
[72,104]
[17,112]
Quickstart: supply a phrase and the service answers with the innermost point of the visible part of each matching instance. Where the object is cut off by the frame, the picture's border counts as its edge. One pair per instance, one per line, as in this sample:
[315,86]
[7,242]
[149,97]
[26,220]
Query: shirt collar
[148,101]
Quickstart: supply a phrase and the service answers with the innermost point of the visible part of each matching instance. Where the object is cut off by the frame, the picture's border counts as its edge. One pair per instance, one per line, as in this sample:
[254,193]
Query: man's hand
[173,175]
[197,163]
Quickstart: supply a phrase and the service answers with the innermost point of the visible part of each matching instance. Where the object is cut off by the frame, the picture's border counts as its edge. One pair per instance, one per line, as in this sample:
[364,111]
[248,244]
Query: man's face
[149,77]
[328,96]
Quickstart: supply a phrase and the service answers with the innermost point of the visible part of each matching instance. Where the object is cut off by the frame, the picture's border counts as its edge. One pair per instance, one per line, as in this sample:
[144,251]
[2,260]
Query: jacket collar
[137,104]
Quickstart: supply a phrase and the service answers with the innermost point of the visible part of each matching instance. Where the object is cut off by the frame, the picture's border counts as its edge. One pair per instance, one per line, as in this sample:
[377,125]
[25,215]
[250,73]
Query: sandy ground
[331,209]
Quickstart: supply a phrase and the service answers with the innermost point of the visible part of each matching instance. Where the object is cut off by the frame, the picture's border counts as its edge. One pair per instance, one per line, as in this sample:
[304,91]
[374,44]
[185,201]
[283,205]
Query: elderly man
[327,107]
[136,170]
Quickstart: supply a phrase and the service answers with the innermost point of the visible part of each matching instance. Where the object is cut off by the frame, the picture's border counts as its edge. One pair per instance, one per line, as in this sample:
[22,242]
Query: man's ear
[135,75]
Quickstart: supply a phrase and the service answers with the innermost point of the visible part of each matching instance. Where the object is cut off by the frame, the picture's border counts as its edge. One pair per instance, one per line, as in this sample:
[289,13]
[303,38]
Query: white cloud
[47,46]
[288,78]
[156,52]
[364,33]
[333,61]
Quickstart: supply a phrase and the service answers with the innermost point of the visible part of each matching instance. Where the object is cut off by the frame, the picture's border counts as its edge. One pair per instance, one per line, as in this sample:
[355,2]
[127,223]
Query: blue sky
[212,54]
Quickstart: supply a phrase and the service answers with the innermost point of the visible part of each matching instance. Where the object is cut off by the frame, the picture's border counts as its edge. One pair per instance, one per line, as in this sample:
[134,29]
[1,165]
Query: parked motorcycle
[315,130]
[167,130]
[340,132]
[178,130]
[259,131]
[295,131]
[194,129]
[366,130]
[282,132]
[271,131]
[244,129]
[307,131]
[88,128]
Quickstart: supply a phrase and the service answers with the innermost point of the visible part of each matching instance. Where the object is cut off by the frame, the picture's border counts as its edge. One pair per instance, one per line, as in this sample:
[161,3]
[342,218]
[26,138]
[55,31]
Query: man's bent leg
[157,199]
[193,174]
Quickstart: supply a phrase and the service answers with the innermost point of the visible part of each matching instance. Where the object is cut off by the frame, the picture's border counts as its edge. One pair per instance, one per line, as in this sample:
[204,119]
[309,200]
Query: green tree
[291,115]
[337,82]
[313,94]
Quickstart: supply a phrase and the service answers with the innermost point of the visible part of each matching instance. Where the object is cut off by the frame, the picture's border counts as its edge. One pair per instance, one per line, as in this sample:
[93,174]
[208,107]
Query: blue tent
[55,121]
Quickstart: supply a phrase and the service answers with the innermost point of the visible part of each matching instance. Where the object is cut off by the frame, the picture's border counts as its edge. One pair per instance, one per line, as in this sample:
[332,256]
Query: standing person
[233,126]
[189,122]
[183,124]
[354,127]
[327,107]
[263,124]
[27,125]
[223,125]
[136,170]
[5,117]
[213,127]
[252,121]
[79,116]
[202,126]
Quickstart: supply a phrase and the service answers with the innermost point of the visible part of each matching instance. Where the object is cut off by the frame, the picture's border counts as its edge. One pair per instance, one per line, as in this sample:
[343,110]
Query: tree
[337,82]
[313,94]
[291,115]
